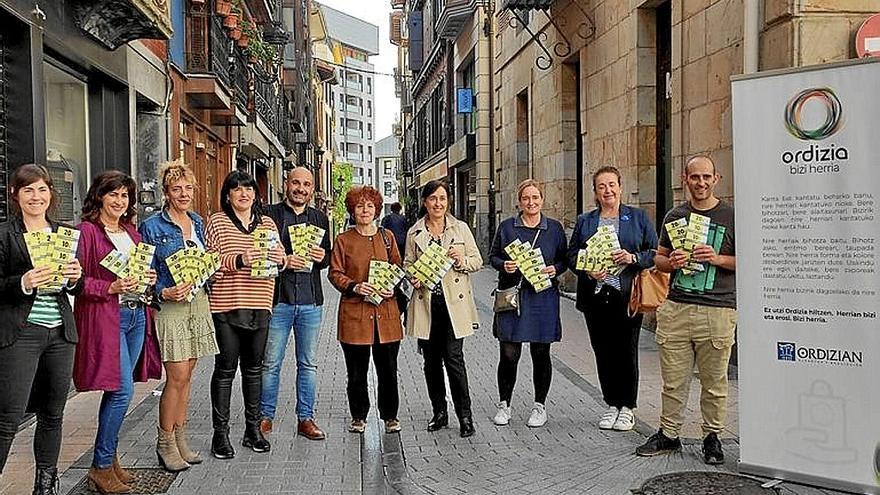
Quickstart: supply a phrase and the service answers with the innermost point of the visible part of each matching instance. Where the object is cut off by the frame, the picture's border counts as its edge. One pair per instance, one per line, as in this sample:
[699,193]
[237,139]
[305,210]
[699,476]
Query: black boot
[251,387]
[467,426]
[46,481]
[221,448]
[254,439]
[440,420]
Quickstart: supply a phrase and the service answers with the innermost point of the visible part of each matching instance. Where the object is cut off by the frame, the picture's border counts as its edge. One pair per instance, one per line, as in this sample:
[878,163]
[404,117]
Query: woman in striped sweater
[37,333]
[241,306]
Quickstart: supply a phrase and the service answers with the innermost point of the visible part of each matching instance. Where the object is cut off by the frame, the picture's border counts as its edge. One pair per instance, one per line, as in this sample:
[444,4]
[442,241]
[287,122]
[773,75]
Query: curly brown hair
[105,183]
[363,193]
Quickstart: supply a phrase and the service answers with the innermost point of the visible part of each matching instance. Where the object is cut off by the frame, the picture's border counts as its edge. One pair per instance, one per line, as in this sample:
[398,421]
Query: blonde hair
[175,170]
[527,183]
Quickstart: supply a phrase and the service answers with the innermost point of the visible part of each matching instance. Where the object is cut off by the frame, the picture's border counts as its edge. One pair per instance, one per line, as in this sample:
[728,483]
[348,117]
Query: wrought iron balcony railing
[266,104]
[209,49]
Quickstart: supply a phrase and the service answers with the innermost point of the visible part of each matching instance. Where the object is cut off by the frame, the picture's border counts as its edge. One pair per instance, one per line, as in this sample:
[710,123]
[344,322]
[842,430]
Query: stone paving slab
[568,455]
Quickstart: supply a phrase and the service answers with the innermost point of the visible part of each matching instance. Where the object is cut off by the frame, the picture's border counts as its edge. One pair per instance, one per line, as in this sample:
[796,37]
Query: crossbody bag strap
[386,242]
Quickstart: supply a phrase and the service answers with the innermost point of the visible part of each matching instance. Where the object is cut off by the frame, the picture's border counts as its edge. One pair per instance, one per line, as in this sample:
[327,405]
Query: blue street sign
[465,100]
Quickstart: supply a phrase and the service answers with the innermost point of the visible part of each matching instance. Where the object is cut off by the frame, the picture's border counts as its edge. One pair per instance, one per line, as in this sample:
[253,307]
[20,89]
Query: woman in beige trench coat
[442,317]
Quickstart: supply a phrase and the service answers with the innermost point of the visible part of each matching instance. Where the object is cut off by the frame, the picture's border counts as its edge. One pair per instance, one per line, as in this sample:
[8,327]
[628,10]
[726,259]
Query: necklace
[117,230]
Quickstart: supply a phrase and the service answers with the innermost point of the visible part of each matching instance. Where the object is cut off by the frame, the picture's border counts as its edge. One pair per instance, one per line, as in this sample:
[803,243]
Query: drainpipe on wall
[751,28]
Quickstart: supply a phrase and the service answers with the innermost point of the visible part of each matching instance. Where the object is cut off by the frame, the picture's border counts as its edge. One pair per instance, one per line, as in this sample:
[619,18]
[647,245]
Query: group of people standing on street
[114,336]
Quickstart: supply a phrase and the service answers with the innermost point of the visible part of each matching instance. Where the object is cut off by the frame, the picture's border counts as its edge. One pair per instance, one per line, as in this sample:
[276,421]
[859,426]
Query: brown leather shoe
[309,429]
[266,425]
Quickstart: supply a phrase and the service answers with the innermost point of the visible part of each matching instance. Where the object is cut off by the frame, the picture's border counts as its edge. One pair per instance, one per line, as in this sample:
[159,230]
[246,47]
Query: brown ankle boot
[188,455]
[166,451]
[120,472]
[105,481]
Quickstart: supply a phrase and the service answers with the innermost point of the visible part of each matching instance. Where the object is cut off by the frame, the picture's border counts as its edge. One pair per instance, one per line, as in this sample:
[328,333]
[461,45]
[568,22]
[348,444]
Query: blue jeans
[305,320]
[114,404]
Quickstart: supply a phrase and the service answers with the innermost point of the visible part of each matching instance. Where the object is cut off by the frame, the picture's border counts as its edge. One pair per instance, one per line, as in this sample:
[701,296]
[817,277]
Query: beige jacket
[457,286]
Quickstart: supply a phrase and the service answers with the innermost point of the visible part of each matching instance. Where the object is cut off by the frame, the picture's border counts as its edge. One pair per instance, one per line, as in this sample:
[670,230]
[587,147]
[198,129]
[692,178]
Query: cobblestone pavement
[568,455]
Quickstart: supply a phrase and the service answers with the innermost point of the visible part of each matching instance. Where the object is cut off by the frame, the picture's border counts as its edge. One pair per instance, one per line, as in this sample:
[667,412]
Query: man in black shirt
[697,322]
[298,306]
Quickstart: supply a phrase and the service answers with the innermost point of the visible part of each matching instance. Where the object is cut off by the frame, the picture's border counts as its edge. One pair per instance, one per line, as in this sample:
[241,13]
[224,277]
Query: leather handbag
[649,290]
[508,299]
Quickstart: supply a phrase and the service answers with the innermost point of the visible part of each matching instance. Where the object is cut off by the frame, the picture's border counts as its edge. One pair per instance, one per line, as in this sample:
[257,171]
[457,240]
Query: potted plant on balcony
[248,33]
[222,7]
[231,20]
[235,33]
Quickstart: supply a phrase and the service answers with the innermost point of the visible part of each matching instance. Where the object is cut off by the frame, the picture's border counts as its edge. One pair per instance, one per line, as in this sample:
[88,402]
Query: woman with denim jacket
[604,297]
[184,325]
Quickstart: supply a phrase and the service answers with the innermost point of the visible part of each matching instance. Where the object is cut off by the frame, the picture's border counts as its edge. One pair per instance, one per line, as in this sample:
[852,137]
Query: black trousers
[542,369]
[443,349]
[615,340]
[35,376]
[357,365]
[241,343]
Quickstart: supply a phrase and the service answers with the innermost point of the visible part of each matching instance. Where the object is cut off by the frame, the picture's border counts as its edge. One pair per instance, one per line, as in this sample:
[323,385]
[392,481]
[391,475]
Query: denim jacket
[161,232]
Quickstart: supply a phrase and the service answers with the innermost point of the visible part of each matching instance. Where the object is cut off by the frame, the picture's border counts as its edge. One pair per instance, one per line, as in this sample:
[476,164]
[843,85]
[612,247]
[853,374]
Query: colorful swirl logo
[833,114]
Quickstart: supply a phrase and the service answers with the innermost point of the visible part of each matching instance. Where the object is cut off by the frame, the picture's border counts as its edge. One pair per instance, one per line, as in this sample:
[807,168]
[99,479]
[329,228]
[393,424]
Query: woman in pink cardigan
[116,341]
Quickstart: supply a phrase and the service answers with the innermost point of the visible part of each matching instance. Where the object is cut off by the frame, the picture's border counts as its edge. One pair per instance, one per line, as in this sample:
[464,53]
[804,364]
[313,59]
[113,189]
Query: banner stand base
[806,479]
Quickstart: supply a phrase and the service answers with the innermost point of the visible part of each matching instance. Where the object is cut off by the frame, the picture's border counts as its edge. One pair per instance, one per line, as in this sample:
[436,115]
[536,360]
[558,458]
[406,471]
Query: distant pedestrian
[117,345]
[185,329]
[537,322]
[397,224]
[441,318]
[363,328]
[697,323]
[37,332]
[298,306]
[241,306]
[603,297]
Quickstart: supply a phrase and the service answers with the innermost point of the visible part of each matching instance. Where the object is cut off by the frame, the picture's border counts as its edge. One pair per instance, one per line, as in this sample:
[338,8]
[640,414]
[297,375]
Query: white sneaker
[538,417]
[502,417]
[625,420]
[608,418]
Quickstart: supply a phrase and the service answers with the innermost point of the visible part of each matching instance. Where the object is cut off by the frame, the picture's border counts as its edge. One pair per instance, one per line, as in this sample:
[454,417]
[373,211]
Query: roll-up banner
[807,173]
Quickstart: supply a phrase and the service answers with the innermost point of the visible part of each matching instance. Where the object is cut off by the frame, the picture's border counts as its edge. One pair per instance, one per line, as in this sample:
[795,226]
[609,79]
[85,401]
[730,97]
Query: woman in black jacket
[37,331]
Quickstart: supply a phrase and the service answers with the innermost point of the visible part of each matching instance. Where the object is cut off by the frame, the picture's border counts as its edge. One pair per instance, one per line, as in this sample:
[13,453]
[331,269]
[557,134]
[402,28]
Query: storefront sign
[808,287]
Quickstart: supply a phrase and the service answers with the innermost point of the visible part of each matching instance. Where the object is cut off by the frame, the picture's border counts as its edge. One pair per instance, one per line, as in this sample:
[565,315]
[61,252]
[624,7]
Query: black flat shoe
[467,427]
[220,446]
[440,420]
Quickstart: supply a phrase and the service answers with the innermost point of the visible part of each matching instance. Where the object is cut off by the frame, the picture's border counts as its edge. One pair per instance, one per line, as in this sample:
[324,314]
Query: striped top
[234,288]
[45,311]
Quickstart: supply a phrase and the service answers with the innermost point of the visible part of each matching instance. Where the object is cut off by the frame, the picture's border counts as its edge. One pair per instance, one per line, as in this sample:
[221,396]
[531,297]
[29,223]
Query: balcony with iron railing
[209,47]
[454,15]
[241,79]
[266,103]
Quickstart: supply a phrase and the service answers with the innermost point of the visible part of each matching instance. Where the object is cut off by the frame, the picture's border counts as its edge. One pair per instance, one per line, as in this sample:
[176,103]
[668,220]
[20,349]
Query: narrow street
[568,455]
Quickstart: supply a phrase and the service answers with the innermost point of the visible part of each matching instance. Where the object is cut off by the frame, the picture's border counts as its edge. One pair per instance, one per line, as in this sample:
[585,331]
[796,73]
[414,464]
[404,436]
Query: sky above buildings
[376,12]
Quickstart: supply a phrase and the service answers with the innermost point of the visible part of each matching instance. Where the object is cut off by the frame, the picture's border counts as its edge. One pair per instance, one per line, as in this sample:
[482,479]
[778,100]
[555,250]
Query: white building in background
[354,42]
[387,166]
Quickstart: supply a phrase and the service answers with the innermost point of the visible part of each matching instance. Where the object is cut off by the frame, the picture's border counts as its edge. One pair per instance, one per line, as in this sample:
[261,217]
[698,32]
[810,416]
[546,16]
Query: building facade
[79,94]
[386,170]
[446,87]
[325,78]
[641,86]
[354,42]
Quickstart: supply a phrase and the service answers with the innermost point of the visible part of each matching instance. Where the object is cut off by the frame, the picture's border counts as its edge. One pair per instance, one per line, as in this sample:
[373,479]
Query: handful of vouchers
[135,264]
[383,276]
[430,268]
[264,241]
[53,250]
[192,266]
[304,237]
[687,233]
[530,261]
[597,255]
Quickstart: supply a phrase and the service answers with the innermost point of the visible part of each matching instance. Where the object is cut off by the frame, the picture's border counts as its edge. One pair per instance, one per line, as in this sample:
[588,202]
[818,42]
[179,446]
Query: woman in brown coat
[362,326]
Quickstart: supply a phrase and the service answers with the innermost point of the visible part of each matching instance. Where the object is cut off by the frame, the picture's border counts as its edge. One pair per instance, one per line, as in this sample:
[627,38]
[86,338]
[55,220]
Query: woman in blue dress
[537,322]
